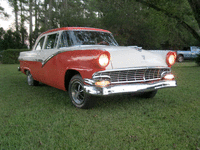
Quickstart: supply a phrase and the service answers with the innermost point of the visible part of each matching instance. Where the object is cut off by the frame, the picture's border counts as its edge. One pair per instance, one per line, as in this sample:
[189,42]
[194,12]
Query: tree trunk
[46,16]
[22,25]
[16,15]
[36,19]
[30,25]
[50,15]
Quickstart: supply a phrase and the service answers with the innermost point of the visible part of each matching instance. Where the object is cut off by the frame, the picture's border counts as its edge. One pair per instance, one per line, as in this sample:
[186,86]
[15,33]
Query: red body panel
[53,72]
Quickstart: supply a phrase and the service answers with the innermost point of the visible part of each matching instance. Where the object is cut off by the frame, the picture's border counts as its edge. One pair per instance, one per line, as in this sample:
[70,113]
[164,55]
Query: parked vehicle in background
[187,54]
[88,61]
[190,53]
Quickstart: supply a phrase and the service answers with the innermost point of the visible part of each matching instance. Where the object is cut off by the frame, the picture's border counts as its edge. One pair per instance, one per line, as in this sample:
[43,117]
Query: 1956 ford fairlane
[88,61]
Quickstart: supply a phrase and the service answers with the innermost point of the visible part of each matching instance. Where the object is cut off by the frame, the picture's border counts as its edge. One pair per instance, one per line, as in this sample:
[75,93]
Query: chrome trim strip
[50,57]
[129,88]
[103,76]
[89,81]
[165,73]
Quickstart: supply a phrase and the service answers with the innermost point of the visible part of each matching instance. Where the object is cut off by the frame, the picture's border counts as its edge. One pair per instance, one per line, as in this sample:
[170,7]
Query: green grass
[42,117]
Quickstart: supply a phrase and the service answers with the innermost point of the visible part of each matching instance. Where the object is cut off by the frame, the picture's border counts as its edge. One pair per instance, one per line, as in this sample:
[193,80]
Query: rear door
[36,65]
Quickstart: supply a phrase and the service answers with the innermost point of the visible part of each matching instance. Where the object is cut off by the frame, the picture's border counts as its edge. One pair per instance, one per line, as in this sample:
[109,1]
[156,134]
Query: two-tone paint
[52,71]
[56,66]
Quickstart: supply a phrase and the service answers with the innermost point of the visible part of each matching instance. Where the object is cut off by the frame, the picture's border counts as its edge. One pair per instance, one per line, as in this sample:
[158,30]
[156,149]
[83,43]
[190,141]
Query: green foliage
[12,39]
[180,13]
[152,24]
[135,24]
[197,59]
[10,56]
[42,117]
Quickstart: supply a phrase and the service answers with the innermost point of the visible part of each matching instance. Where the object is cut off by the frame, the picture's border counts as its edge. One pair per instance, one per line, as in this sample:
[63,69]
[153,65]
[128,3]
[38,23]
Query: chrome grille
[133,75]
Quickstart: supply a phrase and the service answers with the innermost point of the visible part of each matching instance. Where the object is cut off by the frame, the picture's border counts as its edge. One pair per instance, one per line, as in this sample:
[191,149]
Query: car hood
[125,57]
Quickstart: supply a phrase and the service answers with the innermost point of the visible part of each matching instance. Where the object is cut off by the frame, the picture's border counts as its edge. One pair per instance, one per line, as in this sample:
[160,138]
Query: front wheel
[31,81]
[77,95]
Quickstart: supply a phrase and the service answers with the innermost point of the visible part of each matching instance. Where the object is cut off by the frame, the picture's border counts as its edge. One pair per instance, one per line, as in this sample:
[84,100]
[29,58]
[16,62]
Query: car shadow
[121,99]
[59,97]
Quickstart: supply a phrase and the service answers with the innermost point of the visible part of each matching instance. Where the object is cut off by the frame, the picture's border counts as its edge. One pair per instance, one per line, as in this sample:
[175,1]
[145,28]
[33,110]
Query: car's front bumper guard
[129,88]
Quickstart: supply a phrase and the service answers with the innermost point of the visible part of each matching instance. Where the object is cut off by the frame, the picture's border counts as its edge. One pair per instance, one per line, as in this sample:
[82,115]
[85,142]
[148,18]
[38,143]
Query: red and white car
[88,61]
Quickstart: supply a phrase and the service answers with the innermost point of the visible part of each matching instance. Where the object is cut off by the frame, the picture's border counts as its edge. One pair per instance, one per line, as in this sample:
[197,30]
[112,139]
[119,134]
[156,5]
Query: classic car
[190,53]
[88,62]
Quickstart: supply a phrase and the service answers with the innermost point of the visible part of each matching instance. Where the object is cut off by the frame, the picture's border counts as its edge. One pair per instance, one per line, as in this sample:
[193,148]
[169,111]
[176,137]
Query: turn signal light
[171,58]
[169,77]
[102,83]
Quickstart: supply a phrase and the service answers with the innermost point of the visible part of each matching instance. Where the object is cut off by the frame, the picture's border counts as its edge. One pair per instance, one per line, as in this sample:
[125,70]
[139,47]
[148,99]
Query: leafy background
[155,24]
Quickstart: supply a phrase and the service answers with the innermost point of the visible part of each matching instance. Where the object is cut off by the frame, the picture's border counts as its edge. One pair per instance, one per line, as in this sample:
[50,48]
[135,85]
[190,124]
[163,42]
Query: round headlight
[103,60]
[171,58]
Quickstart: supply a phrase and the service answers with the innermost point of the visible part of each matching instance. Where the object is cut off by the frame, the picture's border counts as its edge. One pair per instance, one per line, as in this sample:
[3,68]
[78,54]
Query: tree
[169,12]
[3,14]
[30,23]
[2,32]
[135,24]
[14,4]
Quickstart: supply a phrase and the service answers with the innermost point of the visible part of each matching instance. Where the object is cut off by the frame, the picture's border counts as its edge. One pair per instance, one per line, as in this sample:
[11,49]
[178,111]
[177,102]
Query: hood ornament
[137,48]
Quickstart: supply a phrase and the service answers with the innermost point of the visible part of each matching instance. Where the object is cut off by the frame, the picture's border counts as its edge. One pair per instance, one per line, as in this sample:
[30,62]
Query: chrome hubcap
[30,79]
[77,92]
[180,59]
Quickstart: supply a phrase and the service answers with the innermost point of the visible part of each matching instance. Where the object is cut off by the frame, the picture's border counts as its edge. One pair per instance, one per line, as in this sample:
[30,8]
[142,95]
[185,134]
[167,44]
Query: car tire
[79,98]
[31,81]
[150,94]
[180,58]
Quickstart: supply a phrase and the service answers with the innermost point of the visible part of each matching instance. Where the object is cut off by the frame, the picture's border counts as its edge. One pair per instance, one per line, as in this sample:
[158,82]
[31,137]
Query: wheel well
[180,55]
[26,71]
[68,75]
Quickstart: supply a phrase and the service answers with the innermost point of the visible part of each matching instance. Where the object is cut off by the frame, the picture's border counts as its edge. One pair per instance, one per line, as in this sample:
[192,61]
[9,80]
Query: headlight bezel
[171,58]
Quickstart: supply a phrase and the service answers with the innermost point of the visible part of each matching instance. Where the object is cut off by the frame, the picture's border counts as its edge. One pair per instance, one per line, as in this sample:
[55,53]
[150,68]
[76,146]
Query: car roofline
[75,29]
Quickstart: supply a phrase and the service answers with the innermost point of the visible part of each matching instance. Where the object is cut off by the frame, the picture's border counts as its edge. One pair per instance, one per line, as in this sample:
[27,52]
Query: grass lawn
[43,117]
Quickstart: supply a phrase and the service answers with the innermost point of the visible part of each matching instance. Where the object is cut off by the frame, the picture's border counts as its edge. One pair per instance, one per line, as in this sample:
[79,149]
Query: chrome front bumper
[129,88]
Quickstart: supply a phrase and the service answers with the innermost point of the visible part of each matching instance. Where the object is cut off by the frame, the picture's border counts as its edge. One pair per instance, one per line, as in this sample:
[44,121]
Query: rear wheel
[77,95]
[31,81]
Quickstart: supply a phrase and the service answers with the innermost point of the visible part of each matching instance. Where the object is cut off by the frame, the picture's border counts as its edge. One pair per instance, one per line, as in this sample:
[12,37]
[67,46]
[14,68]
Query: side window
[40,44]
[65,40]
[51,41]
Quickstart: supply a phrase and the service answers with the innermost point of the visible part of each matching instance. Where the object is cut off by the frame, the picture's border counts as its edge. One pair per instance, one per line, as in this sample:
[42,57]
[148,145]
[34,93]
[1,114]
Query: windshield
[93,38]
[195,48]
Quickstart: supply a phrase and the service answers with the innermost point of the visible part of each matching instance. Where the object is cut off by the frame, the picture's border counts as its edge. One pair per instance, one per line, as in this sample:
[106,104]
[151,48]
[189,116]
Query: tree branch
[195,5]
[170,15]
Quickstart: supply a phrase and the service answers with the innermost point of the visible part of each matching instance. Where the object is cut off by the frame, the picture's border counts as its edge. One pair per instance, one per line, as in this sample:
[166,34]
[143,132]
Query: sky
[7,24]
